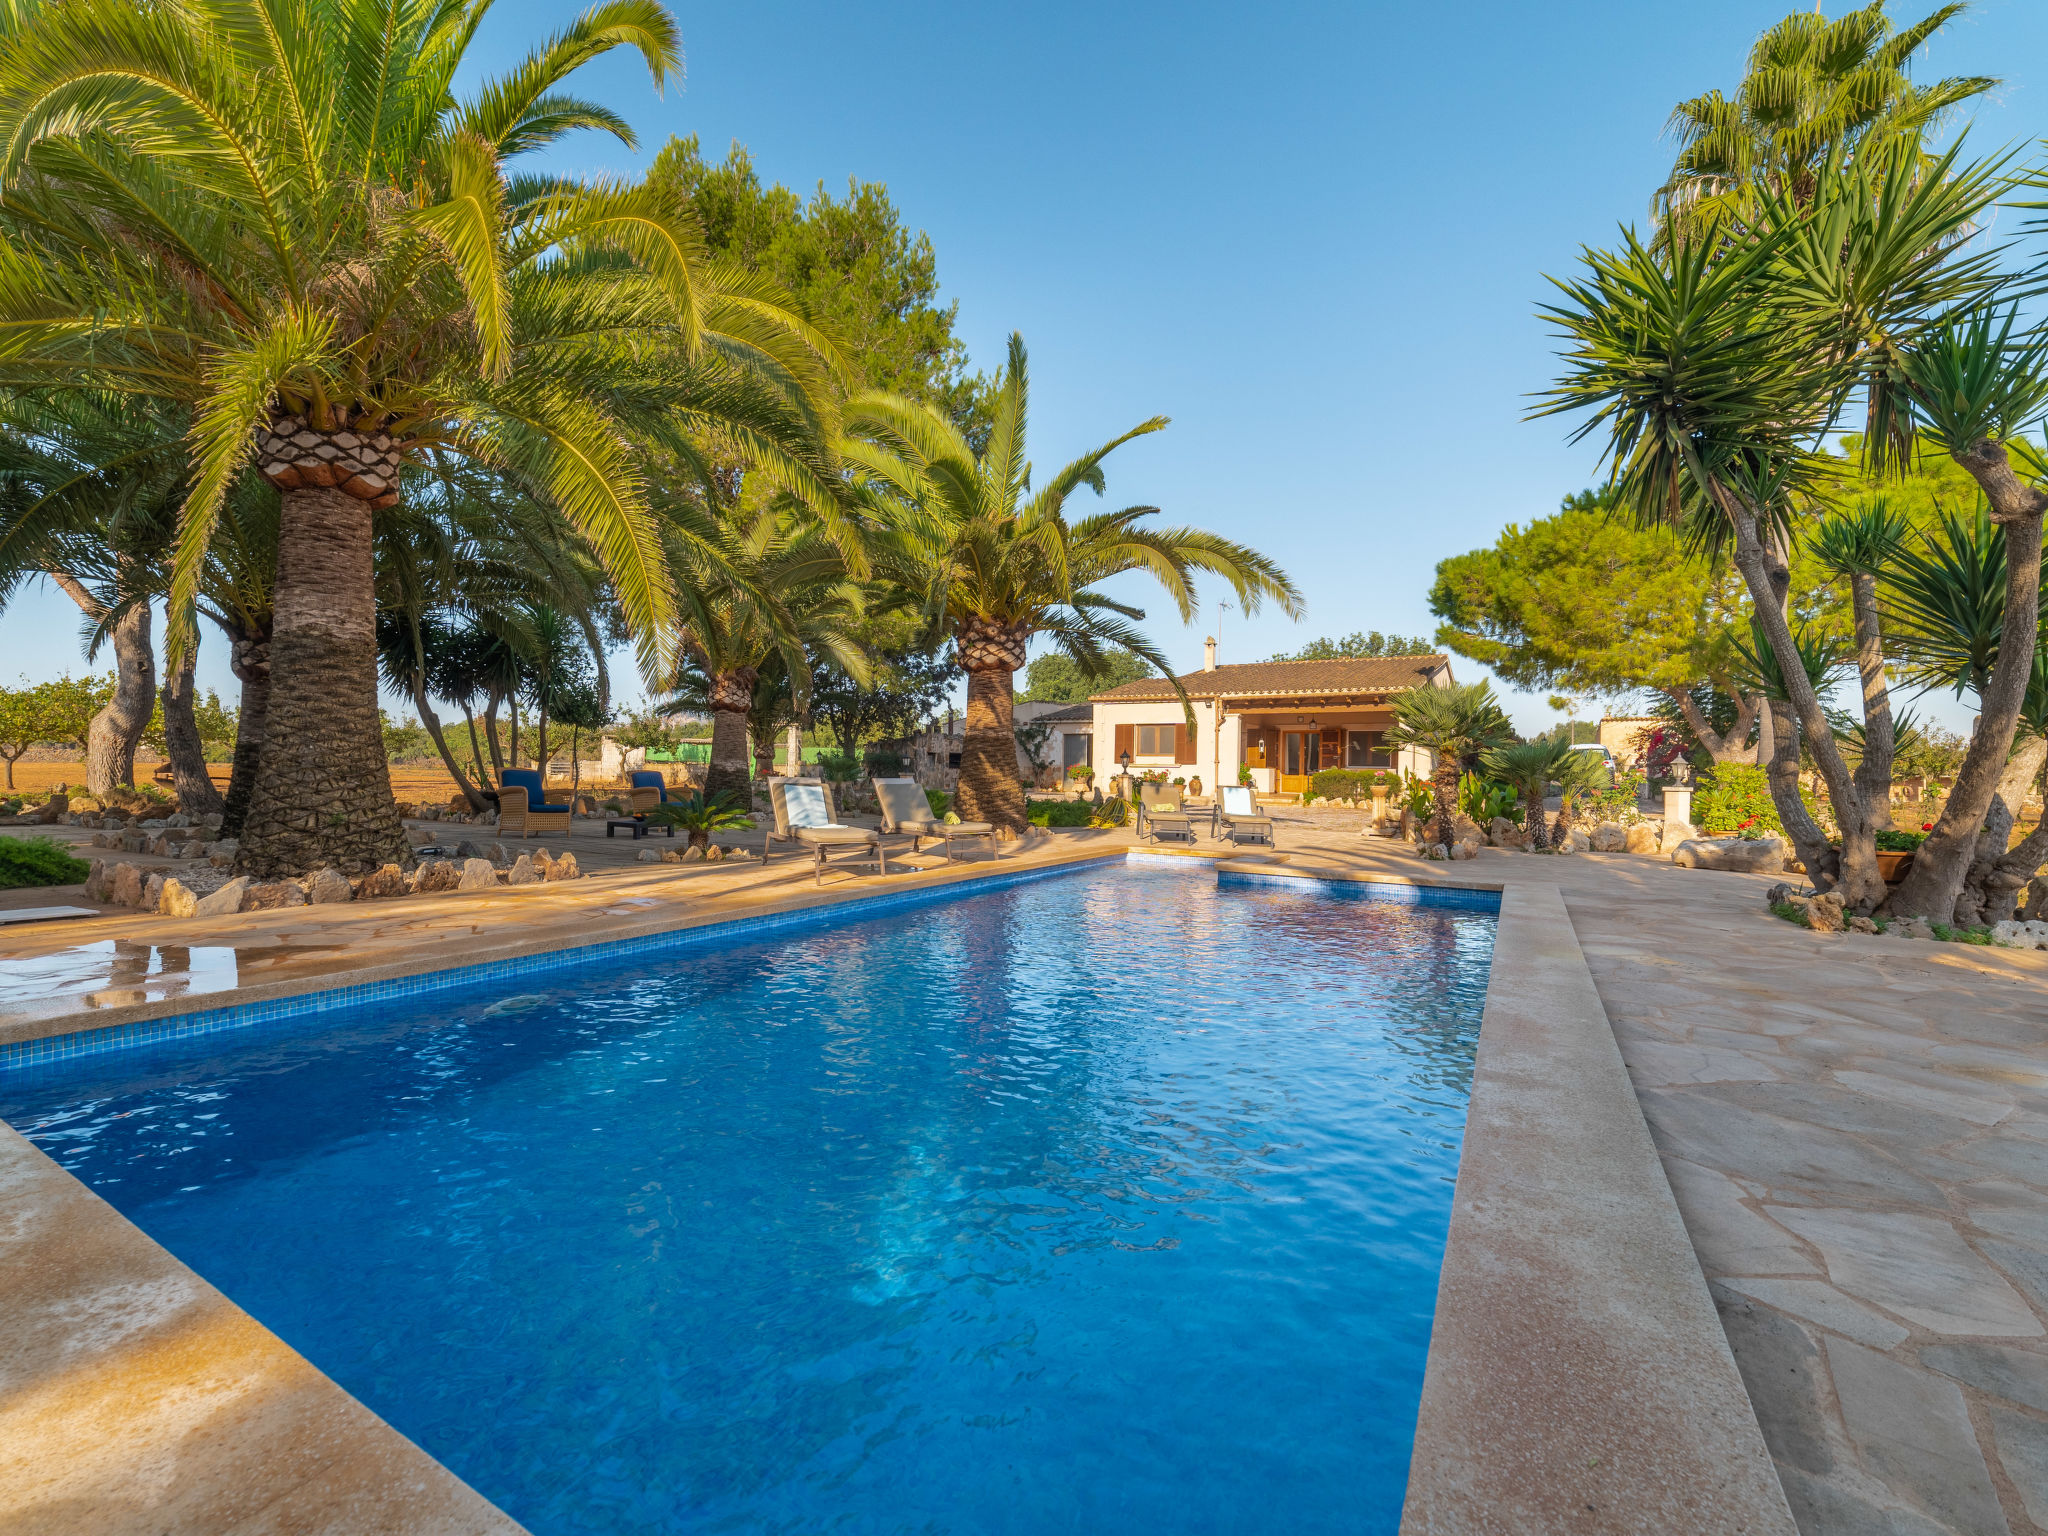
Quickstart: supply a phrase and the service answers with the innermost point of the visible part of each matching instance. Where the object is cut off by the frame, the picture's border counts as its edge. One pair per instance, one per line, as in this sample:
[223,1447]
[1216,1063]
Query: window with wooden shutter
[1183,744]
[1124,742]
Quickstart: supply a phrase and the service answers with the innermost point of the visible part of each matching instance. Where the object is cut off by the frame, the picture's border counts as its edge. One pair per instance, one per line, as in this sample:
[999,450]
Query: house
[1069,735]
[1285,720]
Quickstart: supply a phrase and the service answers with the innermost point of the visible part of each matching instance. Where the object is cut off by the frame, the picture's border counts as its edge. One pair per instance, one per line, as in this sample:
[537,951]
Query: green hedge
[26,861]
[1345,783]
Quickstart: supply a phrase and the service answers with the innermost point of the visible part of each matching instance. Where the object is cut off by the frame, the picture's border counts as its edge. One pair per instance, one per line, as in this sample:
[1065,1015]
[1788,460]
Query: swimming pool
[1108,1200]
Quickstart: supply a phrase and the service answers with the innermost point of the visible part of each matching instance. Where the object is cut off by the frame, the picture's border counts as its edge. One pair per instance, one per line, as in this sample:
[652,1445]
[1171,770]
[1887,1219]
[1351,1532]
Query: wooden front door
[1300,757]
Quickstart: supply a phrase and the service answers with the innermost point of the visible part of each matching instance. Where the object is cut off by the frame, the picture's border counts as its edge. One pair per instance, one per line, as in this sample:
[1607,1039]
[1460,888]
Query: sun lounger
[1237,811]
[1160,814]
[519,812]
[804,818]
[906,808]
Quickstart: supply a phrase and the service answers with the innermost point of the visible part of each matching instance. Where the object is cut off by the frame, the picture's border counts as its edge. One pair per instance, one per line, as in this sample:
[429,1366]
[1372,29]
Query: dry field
[409,781]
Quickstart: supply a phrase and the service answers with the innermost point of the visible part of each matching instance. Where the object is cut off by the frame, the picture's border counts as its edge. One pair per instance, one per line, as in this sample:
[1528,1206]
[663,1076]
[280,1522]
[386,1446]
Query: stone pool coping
[1578,1378]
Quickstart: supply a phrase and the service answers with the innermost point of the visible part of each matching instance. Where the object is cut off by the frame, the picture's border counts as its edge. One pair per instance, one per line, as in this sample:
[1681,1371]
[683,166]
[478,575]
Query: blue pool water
[1113,1201]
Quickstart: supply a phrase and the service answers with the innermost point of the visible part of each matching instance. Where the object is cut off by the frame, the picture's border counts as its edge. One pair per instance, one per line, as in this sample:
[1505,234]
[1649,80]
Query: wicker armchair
[516,818]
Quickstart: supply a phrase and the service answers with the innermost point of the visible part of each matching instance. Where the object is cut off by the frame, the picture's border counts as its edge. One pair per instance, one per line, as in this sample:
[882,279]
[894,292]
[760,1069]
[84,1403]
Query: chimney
[1209,654]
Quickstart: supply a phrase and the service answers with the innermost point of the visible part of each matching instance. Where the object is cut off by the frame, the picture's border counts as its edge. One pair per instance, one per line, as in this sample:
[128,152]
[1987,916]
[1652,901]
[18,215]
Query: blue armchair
[650,778]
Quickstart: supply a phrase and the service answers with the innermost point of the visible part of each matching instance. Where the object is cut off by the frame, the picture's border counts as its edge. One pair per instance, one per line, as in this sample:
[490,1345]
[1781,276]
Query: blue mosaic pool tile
[1454,897]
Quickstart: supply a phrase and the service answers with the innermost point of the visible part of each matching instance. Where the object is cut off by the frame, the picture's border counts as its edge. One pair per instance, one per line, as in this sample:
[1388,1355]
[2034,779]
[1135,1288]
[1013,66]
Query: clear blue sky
[1314,236]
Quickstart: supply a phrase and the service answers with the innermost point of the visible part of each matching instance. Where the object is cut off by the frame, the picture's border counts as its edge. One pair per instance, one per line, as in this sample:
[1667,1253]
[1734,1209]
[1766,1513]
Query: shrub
[1482,799]
[940,801]
[1060,813]
[838,767]
[26,861]
[885,765]
[1343,784]
[1736,798]
[1891,840]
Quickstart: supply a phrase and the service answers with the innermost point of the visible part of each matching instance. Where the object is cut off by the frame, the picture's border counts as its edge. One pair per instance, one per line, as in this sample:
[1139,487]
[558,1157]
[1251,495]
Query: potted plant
[1895,850]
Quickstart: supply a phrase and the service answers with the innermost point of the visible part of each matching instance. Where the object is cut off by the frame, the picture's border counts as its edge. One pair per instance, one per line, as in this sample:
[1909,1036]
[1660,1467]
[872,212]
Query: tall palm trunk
[182,743]
[1942,863]
[1880,742]
[117,729]
[1444,782]
[990,654]
[249,655]
[731,696]
[323,788]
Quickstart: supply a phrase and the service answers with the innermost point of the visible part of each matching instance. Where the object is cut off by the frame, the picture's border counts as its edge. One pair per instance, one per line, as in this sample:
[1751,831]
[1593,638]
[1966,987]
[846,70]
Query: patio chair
[1160,814]
[804,818]
[522,808]
[905,808]
[1237,810]
[646,781]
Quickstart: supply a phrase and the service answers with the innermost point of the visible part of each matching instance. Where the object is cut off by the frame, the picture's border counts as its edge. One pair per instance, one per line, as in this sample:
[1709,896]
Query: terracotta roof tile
[1357,674]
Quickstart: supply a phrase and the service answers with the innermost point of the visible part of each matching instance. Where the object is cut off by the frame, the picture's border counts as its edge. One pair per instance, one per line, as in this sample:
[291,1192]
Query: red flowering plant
[1664,745]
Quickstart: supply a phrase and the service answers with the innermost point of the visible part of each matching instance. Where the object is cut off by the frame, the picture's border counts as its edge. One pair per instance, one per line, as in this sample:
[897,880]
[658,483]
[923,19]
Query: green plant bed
[1060,813]
[1892,840]
[27,861]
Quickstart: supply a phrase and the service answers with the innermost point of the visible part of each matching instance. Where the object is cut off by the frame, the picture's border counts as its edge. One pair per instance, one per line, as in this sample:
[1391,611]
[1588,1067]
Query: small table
[638,824]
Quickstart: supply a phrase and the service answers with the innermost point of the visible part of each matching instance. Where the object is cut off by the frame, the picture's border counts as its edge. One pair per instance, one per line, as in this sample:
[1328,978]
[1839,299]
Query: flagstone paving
[1855,1130]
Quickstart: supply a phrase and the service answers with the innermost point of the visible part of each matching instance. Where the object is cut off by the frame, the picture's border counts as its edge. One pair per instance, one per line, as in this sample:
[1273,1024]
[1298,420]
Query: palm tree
[1457,724]
[1856,547]
[1716,365]
[1528,768]
[1000,563]
[1813,88]
[759,594]
[282,218]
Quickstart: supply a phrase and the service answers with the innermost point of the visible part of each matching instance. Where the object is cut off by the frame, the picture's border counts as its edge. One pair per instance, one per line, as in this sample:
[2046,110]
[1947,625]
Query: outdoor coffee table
[638,824]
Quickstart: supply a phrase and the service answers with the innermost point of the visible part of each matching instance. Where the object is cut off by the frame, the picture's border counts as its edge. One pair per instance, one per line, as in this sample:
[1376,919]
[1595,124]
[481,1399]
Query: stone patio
[1855,1128]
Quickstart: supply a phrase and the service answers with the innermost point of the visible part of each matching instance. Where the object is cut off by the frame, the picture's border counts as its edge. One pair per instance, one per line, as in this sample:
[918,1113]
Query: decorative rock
[1609,837]
[648,856]
[1857,923]
[326,886]
[2032,935]
[478,875]
[190,851]
[1437,852]
[56,808]
[85,805]
[1911,928]
[272,894]
[1464,851]
[177,899]
[1644,837]
[522,871]
[690,856]
[498,856]
[381,884]
[226,900]
[223,852]
[152,892]
[211,821]
[1576,840]
[714,854]
[1503,833]
[436,875]
[96,881]
[669,856]
[125,888]
[1761,855]
[178,820]
[1824,913]
[1674,833]
[564,868]
[469,850]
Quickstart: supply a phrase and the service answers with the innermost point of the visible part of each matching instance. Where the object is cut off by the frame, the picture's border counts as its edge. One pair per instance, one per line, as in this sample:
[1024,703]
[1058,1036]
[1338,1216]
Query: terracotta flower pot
[1893,866]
